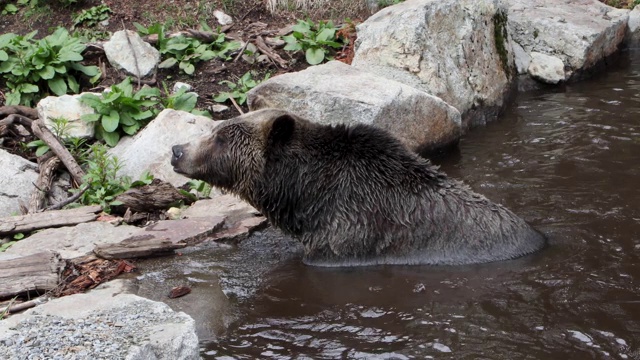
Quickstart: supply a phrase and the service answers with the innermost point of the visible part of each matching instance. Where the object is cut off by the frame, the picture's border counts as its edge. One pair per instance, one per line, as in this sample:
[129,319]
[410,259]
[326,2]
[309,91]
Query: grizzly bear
[353,195]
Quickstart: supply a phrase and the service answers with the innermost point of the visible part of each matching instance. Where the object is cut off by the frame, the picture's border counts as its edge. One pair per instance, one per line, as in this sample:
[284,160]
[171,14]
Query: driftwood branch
[47,168]
[19,110]
[233,101]
[38,272]
[25,223]
[265,49]
[67,159]
[17,119]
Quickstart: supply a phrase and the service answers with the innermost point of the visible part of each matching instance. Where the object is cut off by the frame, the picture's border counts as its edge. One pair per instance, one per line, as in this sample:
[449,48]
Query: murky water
[567,161]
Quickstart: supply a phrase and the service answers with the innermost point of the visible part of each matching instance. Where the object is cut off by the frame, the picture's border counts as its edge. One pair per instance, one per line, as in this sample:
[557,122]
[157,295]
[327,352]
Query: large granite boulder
[336,93]
[578,34]
[459,51]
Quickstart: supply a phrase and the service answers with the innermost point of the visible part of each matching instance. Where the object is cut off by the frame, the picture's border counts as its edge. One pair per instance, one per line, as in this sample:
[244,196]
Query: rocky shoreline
[425,71]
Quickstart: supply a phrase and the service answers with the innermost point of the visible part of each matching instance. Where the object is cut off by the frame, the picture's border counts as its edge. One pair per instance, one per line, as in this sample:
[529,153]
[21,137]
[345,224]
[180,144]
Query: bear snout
[177,152]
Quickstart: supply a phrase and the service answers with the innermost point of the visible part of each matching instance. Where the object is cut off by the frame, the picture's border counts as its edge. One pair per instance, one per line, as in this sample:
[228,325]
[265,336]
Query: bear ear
[282,129]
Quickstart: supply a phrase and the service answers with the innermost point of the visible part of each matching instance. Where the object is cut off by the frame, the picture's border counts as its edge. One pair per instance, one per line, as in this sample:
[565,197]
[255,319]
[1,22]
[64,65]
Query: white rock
[150,149]
[16,182]
[70,108]
[446,48]
[545,68]
[122,46]
[336,93]
[217,108]
[180,85]
[580,33]
[223,19]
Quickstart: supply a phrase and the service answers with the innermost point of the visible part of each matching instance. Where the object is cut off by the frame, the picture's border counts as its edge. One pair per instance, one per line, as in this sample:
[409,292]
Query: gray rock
[16,182]
[126,50]
[545,68]
[581,34]
[446,48]
[150,149]
[336,93]
[632,36]
[70,108]
[104,323]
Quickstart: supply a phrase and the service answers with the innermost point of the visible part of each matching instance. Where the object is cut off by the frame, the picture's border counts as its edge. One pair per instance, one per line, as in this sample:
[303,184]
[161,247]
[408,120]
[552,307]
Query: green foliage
[182,100]
[9,9]
[314,39]
[34,68]
[239,90]
[121,110]
[186,51]
[634,4]
[75,145]
[101,179]
[92,16]
[202,187]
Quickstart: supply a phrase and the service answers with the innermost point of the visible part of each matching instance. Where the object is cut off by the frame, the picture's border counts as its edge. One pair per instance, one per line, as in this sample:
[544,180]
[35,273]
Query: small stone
[180,85]
[223,19]
[217,108]
[174,213]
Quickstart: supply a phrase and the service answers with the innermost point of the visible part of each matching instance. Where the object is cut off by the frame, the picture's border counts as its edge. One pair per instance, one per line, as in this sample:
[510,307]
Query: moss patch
[500,37]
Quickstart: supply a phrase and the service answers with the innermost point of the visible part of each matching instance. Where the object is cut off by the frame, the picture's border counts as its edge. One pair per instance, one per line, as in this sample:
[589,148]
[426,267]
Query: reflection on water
[567,161]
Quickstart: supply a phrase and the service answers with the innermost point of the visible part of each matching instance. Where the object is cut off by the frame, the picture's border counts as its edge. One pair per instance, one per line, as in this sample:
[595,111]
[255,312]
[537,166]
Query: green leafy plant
[92,16]
[121,110]
[239,90]
[182,100]
[9,9]
[186,51]
[315,40]
[33,68]
[101,181]
[60,129]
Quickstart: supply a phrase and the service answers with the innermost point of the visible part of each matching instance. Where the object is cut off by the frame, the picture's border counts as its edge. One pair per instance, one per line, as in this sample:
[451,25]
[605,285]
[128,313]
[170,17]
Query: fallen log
[158,195]
[138,246]
[25,223]
[37,273]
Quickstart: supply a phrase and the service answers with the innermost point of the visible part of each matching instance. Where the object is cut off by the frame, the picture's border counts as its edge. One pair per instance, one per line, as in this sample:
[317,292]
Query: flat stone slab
[190,231]
[103,323]
[82,239]
[336,93]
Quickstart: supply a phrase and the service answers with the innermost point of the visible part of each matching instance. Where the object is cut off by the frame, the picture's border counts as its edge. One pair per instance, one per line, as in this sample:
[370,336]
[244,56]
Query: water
[568,162]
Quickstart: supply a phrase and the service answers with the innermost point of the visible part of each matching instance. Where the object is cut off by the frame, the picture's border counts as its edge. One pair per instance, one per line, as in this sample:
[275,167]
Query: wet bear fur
[353,195]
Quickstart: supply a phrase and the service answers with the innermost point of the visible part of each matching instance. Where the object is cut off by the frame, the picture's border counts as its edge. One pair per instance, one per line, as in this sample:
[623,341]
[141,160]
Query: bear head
[235,153]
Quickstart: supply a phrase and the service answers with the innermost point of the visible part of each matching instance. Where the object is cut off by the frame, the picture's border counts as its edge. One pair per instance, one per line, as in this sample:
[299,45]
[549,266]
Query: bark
[39,272]
[26,223]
